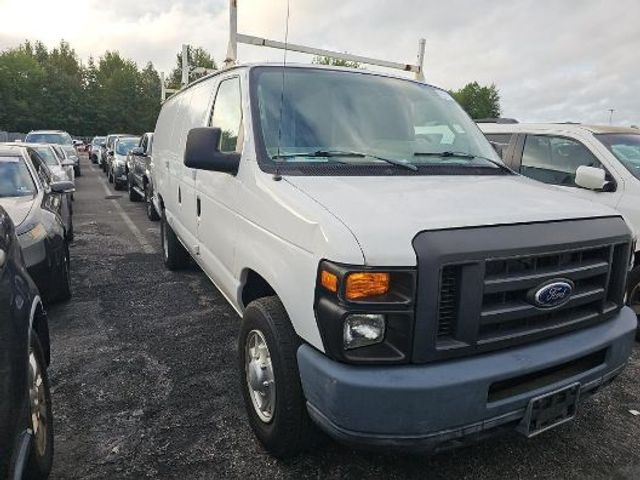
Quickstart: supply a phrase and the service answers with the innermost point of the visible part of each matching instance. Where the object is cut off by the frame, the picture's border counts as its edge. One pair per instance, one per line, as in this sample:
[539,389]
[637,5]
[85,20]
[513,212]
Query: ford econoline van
[392,291]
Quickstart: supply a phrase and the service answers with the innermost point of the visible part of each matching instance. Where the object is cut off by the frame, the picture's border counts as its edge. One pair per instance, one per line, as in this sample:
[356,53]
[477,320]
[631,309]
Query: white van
[390,293]
[596,162]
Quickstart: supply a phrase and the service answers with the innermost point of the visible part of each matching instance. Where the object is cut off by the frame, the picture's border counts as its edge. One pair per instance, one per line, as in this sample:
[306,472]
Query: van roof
[298,65]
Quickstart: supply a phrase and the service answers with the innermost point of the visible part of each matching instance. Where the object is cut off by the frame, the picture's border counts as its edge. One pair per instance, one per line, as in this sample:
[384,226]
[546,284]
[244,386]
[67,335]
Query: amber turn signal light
[366,284]
[329,281]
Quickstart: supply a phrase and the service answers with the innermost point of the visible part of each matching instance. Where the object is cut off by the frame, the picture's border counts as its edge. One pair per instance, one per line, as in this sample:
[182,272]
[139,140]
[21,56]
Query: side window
[143,143]
[501,141]
[554,160]
[227,114]
[149,144]
[41,168]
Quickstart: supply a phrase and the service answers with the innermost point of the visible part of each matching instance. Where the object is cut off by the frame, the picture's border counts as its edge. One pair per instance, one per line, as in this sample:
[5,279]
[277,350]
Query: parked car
[59,137]
[47,165]
[95,150]
[26,420]
[34,200]
[599,163]
[70,153]
[61,167]
[107,151]
[139,169]
[364,229]
[118,161]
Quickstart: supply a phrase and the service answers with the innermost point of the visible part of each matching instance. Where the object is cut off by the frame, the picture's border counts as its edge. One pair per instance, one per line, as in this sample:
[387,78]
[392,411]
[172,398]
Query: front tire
[64,277]
[133,195]
[270,379]
[174,255]
[633,295]
[152,214]
[40,415]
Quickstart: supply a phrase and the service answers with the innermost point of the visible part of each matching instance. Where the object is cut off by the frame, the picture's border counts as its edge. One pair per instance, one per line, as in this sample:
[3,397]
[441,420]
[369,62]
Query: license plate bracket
[550,410]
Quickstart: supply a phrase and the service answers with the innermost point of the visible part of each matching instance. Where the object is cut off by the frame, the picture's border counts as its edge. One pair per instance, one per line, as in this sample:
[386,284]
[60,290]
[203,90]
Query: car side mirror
[110,152]
[591,178]
[63,186]
[137,151]
[202,152]
[68,163]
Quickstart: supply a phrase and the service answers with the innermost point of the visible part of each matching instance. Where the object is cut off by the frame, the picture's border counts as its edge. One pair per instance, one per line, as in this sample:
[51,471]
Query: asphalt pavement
[145,383]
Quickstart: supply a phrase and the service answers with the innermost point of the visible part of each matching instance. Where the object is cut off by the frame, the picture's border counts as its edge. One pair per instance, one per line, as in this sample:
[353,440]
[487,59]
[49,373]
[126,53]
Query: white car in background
[600,163]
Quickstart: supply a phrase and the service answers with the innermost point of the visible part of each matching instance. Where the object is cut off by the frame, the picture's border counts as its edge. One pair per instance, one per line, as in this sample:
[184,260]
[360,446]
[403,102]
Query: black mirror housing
[202,152]
[63,186]
[137,151]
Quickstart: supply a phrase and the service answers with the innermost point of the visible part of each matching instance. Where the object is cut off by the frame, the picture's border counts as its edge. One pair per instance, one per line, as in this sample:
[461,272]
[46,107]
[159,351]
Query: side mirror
[110,152]
[137,151]
[63,186]
[591,178]
[68,163]
[202,152]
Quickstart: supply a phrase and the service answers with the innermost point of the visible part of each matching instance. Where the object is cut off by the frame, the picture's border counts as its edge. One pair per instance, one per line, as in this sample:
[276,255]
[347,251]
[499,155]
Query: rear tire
[277,413]
[40,417]
[174,255]
[64,278]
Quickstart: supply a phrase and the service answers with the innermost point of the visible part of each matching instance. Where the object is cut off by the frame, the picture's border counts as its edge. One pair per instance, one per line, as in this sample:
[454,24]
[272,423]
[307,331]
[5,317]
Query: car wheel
[110,176]
[633,295]
[270,379]
[69,234]
[175,256]
[77,171]
[133,195]
[151,209]
[41,418]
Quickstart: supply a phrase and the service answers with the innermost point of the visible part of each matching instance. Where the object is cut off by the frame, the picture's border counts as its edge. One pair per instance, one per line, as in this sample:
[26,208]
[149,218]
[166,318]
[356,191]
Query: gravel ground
[144,381]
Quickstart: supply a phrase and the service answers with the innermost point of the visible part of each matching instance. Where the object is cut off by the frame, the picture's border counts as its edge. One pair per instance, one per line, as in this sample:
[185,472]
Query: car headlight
[31,234]
[366,315]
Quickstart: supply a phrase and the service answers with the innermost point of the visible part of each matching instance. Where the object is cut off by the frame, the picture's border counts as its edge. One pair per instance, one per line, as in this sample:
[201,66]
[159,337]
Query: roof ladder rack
[235,38]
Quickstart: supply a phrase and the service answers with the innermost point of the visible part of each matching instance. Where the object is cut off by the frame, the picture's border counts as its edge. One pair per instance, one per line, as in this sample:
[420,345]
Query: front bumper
[439,405]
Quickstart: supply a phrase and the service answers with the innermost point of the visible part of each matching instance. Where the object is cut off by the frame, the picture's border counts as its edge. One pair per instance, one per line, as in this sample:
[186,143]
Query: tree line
[51,88]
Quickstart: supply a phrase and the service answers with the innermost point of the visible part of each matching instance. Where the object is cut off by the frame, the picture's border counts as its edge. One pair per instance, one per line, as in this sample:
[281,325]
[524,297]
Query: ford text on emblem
[552,294]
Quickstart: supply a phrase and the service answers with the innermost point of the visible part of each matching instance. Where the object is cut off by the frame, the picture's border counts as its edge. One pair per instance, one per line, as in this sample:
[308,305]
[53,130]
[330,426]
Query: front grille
[506,311]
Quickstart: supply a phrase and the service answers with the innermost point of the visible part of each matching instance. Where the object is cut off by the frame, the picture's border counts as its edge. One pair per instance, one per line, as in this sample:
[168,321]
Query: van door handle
[198,206]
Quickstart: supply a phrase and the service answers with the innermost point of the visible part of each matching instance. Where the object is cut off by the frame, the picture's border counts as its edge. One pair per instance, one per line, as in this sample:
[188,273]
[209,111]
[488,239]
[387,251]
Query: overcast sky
[552,60]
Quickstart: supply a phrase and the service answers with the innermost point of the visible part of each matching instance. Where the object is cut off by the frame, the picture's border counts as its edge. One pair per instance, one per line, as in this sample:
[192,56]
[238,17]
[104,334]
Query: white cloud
[552,61]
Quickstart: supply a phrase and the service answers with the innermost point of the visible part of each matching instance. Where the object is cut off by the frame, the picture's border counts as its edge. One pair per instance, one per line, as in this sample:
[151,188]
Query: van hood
[385,213]
[18,208]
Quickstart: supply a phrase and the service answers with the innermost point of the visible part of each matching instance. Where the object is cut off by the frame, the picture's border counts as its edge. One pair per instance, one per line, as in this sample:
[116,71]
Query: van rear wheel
[270,380]
[175,256]
[633,295]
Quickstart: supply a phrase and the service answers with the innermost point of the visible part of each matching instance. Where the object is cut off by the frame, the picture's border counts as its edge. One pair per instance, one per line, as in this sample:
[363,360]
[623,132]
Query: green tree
[479,101]
[198,57]
[336,62]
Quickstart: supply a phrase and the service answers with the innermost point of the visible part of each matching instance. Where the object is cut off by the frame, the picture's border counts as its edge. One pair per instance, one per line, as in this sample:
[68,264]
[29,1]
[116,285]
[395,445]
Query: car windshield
[47,154]
[332,117]
[625,147]
[124,145]
[15,178]
[97,141]
[57,138]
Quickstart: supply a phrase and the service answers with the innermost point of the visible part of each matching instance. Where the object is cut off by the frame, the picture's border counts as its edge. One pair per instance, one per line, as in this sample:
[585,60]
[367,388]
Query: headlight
[366,315]
[32,233]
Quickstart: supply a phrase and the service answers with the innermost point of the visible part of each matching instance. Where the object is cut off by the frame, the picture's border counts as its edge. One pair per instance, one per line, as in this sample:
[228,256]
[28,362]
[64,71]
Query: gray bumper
[426,406]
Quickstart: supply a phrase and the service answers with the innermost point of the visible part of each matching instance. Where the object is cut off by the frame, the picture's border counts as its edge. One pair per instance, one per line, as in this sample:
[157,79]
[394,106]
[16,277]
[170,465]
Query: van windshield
[625,147]
[329,117]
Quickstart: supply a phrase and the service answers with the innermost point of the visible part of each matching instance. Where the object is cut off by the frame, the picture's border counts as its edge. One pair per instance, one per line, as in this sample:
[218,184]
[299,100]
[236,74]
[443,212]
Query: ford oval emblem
[552,294]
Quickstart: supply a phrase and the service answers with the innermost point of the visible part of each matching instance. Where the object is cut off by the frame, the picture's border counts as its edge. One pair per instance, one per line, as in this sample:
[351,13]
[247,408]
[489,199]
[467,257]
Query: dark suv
[26,428]
[139,167]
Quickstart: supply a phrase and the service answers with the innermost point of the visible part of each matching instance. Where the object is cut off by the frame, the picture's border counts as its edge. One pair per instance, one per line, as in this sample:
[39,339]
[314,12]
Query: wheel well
[255,287]
[41,327]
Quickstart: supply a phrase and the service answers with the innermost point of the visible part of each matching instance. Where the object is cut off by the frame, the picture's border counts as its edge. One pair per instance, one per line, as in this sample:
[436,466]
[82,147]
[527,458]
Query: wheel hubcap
[38,404]
[259,375]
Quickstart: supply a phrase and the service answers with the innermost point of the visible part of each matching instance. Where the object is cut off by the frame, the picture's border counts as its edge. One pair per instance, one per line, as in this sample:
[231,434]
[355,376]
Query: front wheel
[174,254]
[270,379]
[633,294]
[40,415]
[133,195]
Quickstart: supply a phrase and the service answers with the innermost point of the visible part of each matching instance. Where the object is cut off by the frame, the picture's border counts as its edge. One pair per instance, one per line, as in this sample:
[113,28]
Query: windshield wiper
[466,155]
[346,153]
